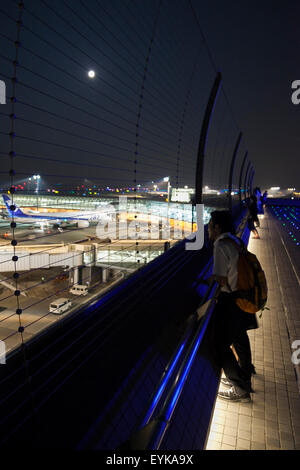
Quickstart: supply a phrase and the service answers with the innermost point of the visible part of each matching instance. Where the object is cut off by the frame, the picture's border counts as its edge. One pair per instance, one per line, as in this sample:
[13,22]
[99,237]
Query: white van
[60,306]
[78,289]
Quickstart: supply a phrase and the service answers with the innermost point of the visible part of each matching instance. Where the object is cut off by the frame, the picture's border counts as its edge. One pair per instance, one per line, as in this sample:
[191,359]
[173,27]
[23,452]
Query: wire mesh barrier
[78,376]
[122,324]
[116,127]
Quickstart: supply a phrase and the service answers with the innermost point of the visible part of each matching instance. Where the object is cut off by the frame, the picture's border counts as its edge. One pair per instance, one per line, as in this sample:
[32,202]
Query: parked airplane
[82,219]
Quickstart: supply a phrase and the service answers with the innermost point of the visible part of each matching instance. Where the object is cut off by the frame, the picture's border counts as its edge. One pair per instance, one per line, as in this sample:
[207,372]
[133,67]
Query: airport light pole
[37,178]
[167,180]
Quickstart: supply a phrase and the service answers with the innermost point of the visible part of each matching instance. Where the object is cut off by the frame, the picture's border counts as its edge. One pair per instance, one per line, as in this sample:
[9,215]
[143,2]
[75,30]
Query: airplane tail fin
[17,212]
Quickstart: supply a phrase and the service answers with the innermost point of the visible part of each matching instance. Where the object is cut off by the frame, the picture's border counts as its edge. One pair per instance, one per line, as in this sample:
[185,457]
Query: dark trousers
[242,346]
[230,328]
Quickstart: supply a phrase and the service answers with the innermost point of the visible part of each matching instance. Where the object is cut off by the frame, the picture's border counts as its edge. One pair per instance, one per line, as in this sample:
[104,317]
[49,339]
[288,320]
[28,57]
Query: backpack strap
[240,247]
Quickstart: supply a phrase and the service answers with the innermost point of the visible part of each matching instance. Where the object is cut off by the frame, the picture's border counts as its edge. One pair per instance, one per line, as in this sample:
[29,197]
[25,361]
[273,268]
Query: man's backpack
[252,291]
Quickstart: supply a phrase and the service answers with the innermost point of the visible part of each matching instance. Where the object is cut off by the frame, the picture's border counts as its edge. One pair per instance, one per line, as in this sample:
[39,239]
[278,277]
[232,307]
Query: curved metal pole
[245,179]
[232,168]
[251,180]
[241,175]
[203,138]
[248,181]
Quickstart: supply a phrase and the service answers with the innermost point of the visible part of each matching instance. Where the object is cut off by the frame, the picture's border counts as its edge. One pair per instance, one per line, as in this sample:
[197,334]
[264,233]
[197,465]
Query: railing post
[251,180]
[231,170]
[241,175]
[248,180]
[245,179]
[203,138]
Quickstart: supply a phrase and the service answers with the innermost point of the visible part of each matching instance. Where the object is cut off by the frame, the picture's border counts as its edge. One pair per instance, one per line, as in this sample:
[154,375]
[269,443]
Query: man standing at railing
[231,322]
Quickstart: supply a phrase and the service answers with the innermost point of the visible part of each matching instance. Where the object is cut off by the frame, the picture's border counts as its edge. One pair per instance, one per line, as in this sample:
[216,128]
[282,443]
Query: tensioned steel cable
[46,157]
[49,249]
[162,57]
[182,122]
[102,24]
[140,104]
[213,159]
[77,253]
[13,223]
[101,319]
[77,79]
[25,26]
[224,167]
[59,291]
[102,132]
[74,326]
[164,61]
[85,99]
[96,141]
[171,42]
[213,63]
[87,112]
[85,37]
[34,141]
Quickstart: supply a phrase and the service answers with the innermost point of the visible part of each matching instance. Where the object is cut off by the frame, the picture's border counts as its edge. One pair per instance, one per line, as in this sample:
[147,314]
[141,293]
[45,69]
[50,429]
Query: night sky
[256,44]
[140,118]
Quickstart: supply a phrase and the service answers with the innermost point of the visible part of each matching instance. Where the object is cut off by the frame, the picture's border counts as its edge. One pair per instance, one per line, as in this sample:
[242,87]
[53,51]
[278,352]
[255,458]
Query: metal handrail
[143,439]
[177,387]
[169,369]
[151,433]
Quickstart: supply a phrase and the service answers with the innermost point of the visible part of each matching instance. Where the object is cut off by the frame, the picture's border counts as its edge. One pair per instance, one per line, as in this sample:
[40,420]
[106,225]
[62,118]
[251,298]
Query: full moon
[91,74]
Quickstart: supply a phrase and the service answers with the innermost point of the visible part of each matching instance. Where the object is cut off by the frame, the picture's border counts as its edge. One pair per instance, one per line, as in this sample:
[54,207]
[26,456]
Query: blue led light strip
[172,399]
[170,368]
[162,387]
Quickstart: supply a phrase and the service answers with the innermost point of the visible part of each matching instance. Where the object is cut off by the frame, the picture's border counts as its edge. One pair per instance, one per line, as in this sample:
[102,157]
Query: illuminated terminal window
[182,194]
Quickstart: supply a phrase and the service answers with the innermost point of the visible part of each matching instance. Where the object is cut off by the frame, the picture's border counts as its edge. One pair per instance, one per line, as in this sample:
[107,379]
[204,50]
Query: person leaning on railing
[231,322]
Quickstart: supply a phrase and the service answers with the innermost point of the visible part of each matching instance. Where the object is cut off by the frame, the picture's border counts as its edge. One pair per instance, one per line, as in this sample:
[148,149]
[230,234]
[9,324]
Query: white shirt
[225,260]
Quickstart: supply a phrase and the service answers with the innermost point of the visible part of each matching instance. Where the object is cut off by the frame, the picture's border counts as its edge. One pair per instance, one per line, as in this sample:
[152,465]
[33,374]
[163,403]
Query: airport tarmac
[33,236]
[35,315]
